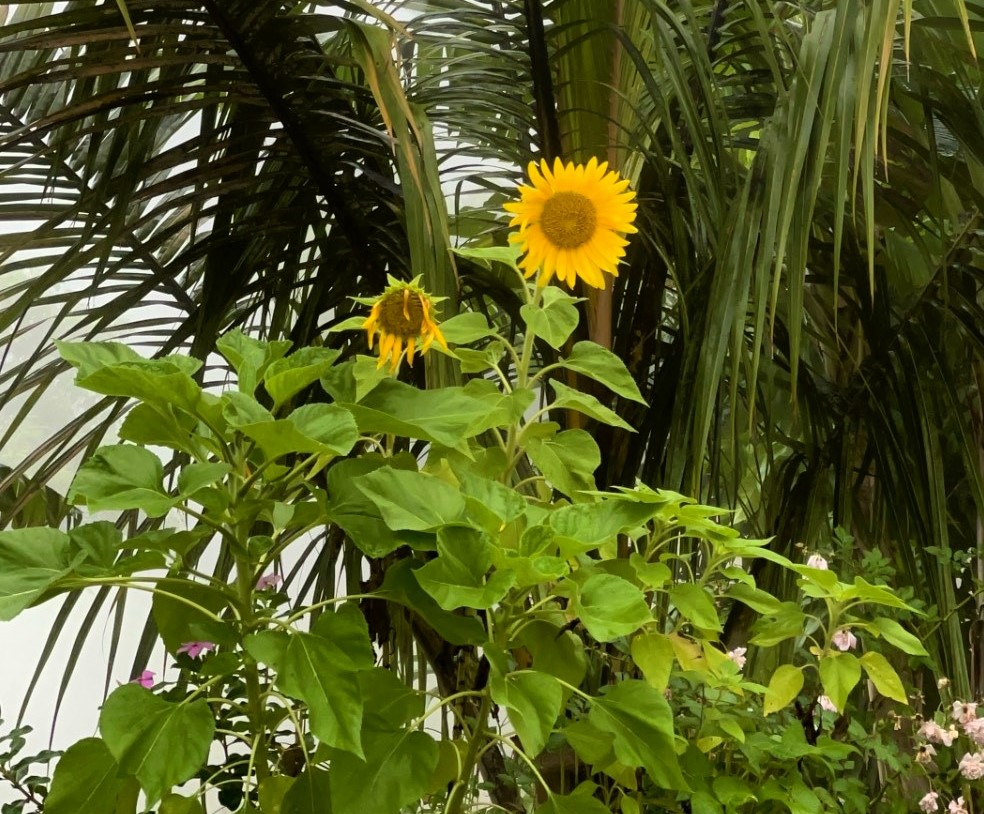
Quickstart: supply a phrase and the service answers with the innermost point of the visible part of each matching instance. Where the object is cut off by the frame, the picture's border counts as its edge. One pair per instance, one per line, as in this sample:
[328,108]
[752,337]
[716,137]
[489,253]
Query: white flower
[929,803]
[738,656]
[816,561]
[943,683]
[972,766]
[975,730]
[957,806]
[825,703]
[925,753]
[948,737]
[964,712]
[932,731]
[845,640]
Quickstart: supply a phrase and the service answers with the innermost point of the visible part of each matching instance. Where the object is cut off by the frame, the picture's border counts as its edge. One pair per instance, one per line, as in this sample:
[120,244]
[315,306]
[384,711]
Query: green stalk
[254,702]
[456,799]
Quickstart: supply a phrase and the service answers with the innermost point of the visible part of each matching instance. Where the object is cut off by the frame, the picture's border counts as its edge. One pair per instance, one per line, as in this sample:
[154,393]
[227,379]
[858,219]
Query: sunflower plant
[571,640]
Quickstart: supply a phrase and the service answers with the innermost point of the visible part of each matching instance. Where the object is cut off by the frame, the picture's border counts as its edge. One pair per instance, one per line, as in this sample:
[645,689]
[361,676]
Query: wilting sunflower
[402,316]
[571,221]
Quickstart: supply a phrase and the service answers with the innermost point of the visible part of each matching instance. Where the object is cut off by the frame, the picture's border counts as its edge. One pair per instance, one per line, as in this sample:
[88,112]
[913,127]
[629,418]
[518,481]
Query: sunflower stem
[524,361]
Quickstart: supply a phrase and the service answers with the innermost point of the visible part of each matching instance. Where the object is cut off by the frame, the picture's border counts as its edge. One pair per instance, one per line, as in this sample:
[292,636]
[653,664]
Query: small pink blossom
[268,581]
[195,649]
[975,730]
[957,806]
[818,562]
[925,753]
[145,680]
[738,656]
[845,640]
[964,712]
[934,733]
[825,703]
[972,765]
[929,803]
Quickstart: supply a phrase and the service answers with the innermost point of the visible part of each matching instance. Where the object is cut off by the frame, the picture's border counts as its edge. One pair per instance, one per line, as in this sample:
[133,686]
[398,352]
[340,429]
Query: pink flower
[195,649]
[931,731]
[929,804]
[957,806]
[268,581]
[818,562]
[145,680]
[975,730]
[972,766]
[962,713]
[934,733]
[825,703]
[925,753]
[738,656]
[845,640]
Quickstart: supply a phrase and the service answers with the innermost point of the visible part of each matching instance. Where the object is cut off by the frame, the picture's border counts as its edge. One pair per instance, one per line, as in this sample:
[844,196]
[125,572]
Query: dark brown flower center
[568,219]
[402,314]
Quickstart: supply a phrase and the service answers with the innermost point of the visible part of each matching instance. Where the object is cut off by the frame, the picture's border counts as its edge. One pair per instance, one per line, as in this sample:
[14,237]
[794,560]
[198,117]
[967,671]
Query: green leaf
[196,476]
[250,357]
[533,700]
[883,676]
[446,416]
[839,674]
[785,623]
[31,561]
[313,670]
[784,686]
[653,653]
[650,574]
[162,744]
[239,410]
[572,804]
[346,628]
[285,378]
[695,604]
[567,460]
[321,429]
[272,791]
[84,781]
[413,501]
[177,804]
[98,542]
[594,747]
[556,318]
[611,607]
[466,327]
[570,399]
[899,636]
[875,594]
[505,503]
[159,425]
[605,367]
[756,599]
[116,370]
[178,607]
[356,513]
[389,703]
[641,722]
[486,255]
[396,772]
[583,527]
[400,586]
[456,578]
[309,793]
[555,651]
[122,477]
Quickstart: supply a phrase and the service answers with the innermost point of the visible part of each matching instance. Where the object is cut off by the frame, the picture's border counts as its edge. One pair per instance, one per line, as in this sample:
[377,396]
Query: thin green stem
[456,799]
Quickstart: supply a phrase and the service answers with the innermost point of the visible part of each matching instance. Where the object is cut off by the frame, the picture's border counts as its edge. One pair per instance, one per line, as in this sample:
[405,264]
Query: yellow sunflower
[402,316]
[571,221]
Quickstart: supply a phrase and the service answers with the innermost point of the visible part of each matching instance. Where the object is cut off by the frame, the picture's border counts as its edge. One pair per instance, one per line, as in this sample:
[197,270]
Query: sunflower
[571,221]
[402,314]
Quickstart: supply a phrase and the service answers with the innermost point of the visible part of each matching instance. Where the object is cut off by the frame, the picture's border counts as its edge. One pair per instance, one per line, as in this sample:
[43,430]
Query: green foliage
[594,618]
